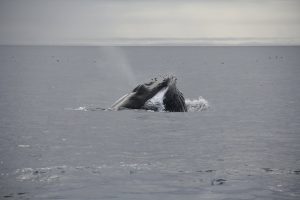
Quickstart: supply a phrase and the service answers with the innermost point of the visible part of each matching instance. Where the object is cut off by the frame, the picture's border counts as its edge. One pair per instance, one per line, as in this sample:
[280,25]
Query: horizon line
[123,41]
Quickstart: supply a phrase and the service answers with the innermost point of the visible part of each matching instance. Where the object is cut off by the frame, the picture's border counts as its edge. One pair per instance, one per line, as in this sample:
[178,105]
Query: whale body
[171,99]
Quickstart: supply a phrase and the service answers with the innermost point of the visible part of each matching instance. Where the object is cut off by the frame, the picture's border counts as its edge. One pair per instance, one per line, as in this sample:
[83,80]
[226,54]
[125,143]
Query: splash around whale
[159,94]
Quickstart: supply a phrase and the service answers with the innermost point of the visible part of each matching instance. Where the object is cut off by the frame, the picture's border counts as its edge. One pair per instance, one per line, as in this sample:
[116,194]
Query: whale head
[149,89]
[143,92]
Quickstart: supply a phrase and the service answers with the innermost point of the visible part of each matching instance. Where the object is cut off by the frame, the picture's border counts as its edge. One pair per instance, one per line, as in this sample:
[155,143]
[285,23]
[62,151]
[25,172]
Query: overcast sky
[88,21]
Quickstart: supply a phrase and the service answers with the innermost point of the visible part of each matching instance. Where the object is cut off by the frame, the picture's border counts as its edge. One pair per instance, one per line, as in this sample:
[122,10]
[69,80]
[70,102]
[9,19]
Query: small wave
[194,105]
[88,108]
[156,104]
[45,174]
[82,108]
[23,145]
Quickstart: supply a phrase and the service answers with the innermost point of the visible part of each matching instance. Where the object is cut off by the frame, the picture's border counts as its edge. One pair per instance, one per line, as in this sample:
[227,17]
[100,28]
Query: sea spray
[195,105]
[156,103]
[117,64]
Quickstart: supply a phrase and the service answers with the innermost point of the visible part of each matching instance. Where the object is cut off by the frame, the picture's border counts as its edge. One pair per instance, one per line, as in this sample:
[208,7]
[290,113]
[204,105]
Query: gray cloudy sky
[91,21]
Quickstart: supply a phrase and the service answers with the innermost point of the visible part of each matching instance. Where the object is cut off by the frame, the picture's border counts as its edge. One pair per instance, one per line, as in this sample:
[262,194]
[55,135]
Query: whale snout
[165,81]
[167,78]
[170,80]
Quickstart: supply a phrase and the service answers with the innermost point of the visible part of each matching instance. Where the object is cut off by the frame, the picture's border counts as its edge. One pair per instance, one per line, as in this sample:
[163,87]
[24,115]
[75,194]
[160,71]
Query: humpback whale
[140,97]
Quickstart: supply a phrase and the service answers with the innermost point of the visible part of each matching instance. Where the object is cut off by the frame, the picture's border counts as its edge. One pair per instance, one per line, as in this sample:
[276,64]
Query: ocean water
[239,140]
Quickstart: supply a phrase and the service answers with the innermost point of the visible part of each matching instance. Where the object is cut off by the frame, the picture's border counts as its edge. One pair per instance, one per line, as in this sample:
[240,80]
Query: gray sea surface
[58,142]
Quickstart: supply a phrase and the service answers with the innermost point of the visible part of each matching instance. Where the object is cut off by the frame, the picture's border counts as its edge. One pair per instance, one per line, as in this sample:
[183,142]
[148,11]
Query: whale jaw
[156,103]
[168,99]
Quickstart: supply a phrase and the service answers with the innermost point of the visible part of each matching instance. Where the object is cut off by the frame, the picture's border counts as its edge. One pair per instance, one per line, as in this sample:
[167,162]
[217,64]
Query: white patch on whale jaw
[156,102]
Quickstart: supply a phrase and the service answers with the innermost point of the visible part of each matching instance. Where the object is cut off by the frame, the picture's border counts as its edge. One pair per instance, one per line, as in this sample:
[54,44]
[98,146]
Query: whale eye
[147,84]
[140,89]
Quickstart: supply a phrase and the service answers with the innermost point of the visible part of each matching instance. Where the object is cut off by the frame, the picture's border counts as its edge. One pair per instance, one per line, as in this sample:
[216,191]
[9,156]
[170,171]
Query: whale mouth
[156,103]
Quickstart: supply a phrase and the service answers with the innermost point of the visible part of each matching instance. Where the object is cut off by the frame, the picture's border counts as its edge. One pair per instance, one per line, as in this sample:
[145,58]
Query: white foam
[195,105]
[23,145]
[156,102]
[81,108]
